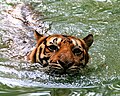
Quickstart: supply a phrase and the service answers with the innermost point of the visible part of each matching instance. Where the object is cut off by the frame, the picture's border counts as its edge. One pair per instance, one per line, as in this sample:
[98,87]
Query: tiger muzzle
[66,64]
[62,62]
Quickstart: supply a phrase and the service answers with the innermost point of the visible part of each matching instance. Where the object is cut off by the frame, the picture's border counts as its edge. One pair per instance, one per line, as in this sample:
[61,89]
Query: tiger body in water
[63,54]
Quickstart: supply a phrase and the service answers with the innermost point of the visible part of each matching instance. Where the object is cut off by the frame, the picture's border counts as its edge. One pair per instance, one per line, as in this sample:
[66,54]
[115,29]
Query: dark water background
[77,18]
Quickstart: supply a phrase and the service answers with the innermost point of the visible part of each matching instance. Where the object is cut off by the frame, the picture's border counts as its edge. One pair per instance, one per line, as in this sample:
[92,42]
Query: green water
[77,18]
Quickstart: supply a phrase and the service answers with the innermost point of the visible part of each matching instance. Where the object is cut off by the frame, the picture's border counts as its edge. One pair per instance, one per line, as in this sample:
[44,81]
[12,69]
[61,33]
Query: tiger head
[63,54]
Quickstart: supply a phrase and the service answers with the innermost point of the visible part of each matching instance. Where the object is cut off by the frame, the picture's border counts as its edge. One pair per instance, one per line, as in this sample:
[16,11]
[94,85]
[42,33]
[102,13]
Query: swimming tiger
[63,54]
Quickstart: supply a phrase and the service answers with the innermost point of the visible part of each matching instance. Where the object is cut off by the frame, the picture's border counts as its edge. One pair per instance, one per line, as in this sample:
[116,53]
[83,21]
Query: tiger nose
[66,64]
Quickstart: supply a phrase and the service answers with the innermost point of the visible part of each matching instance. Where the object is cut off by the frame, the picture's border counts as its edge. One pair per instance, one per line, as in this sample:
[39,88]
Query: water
[77,18]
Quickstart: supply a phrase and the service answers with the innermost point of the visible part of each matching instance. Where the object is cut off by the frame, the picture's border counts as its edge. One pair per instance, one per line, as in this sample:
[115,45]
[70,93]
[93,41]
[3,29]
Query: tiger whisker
[74,68]
[54,65]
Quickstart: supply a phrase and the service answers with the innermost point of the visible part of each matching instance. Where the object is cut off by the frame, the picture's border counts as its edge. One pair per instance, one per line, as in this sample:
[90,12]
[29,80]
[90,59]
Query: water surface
[77,18]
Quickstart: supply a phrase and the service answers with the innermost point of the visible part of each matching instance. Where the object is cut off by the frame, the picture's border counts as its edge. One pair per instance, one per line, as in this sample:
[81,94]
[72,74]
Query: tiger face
[63,54]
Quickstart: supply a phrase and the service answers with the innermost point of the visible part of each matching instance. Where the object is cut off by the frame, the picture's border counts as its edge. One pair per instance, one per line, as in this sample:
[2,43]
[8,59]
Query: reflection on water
[78,18]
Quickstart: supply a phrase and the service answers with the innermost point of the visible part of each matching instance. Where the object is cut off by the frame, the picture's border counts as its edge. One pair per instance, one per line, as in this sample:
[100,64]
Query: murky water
[73,17]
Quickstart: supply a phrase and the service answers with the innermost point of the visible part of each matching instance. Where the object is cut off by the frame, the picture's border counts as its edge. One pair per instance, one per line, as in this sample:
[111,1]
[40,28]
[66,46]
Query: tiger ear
[88,40]
[37,35]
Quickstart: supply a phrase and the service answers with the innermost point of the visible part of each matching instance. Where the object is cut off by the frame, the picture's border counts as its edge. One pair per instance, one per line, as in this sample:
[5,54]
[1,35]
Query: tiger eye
[53,48]
[76,51]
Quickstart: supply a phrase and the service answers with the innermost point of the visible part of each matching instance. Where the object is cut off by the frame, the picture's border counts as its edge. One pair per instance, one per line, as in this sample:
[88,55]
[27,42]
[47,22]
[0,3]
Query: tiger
[63,54]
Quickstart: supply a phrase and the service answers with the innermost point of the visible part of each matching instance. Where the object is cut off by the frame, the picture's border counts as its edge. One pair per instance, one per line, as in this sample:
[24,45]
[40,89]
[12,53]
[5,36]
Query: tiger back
[61,53]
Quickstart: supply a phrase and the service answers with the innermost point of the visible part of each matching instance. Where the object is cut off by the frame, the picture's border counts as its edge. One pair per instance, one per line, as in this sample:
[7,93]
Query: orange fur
[62,53]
